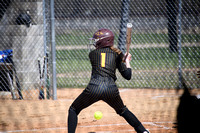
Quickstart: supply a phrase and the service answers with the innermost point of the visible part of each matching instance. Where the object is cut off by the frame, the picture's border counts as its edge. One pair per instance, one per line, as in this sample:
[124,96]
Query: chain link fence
[25,33]
[165,43]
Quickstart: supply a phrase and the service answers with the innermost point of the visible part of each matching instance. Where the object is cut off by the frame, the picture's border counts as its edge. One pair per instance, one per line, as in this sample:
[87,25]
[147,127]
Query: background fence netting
[165,43]
[155,50]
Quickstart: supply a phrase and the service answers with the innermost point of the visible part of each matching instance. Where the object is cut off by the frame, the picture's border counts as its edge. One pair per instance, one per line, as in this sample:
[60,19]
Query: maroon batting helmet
[103,38]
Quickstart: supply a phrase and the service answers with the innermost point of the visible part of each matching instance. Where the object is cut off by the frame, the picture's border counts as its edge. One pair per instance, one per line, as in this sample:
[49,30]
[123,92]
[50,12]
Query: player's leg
[115,101]
[72,120]
[84,100]
[133,121]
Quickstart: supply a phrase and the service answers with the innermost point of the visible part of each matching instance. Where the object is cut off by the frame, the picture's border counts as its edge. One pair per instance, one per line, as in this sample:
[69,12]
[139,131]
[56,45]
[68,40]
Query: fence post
[172,24]
[53,50]
[179,42]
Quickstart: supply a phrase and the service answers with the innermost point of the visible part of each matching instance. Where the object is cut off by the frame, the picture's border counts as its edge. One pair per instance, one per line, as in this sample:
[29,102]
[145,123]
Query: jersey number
[103,59]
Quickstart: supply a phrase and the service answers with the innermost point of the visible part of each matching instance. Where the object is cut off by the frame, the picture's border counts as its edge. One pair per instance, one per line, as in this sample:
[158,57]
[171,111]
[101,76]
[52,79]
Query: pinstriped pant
[99,88]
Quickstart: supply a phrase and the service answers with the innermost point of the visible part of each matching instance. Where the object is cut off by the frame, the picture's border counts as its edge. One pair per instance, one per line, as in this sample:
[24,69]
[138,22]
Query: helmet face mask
[94,41]
[102,38]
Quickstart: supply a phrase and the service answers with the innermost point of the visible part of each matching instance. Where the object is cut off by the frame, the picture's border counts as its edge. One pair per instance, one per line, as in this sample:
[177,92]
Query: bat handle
[124,58]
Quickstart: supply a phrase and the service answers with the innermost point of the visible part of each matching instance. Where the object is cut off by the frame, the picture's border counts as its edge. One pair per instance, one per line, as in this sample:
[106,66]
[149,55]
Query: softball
[98,115]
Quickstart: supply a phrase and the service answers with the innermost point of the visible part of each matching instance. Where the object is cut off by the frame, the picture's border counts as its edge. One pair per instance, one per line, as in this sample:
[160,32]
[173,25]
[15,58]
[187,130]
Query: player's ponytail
[116,50]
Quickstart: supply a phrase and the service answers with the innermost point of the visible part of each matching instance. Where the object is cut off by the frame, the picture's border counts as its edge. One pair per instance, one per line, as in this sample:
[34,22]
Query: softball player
[105,59]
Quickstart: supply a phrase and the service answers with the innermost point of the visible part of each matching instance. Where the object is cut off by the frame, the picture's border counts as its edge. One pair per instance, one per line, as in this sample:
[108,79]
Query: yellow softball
[98,115]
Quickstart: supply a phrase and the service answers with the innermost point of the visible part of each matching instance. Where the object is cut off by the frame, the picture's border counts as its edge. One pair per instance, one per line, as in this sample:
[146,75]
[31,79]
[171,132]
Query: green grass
[143,59]
[158,58]
[82,38]
[76,66]
[162,38]
[73,38]
[74,69]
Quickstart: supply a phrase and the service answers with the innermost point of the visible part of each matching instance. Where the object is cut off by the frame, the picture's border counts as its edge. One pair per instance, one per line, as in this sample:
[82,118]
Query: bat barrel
[129,25]
[128,38]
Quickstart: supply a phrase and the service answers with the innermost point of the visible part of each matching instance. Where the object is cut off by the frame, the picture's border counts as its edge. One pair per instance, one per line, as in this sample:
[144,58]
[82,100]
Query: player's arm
[125,68]
[127,73]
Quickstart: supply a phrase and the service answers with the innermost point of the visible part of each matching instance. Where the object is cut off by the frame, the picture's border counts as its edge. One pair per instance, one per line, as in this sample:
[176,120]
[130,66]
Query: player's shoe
[147,131]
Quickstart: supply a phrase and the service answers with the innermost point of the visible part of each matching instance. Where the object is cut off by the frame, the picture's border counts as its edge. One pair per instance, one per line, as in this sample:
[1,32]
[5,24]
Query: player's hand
[198,74]
[128,59]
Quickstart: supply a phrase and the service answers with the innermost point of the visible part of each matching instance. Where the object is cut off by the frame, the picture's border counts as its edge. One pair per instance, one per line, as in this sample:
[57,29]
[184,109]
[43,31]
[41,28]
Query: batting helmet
[103,38]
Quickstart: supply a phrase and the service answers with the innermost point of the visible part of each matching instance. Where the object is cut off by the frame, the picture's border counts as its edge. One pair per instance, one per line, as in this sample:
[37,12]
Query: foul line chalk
[158,125]
[120,124]
[35,130]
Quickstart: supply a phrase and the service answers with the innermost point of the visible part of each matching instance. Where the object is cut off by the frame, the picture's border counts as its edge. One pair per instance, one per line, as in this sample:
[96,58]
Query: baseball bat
[47,80]
[10,80]
[11,87]
[43,70]
[128,39]
[17,82]
[41,89]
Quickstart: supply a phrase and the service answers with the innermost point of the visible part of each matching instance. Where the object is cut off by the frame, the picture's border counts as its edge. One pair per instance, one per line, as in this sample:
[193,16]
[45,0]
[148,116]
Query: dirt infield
[155,108]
